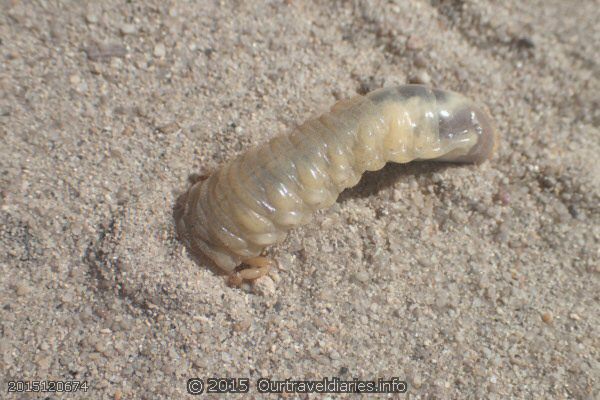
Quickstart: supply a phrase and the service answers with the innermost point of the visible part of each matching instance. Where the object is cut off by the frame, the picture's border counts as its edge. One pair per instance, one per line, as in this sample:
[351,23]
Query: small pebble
[43,361]
[242,326]
[361,276]
[420,61]
[159,50]
[415,43]
[103,52]
[100,347]
[421,77]
[574,317]
[573,211]
[116,63]
[169,128]
[547,317]
[127,29]
[264,286]
[75,80]
[417,381]
[503,196]
[22,289]
[91,18]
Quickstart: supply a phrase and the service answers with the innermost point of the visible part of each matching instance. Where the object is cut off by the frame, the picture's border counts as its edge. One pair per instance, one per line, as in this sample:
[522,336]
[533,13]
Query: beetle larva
[253,200]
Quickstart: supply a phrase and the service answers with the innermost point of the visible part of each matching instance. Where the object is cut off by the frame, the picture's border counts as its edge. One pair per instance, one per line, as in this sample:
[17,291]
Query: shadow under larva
[252,201]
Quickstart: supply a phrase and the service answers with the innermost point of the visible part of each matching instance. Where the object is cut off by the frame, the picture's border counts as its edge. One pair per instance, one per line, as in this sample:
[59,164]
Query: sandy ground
[465,281]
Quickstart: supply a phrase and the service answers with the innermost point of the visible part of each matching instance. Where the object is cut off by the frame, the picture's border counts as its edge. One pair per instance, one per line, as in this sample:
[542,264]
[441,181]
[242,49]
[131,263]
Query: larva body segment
[253,200]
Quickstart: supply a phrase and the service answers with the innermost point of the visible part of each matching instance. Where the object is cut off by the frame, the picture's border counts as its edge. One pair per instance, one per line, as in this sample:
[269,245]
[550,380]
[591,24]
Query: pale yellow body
[253,200]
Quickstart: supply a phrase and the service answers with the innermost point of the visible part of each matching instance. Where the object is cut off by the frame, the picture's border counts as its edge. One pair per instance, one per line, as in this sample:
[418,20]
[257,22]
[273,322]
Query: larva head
[461,120]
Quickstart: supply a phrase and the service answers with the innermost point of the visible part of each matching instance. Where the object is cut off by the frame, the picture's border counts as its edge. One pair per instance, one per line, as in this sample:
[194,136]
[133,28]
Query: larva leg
[252,269]
[197,178]
[257,267]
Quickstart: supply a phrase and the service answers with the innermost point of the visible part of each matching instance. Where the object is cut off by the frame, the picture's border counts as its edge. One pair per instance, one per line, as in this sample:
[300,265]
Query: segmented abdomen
[252,201]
